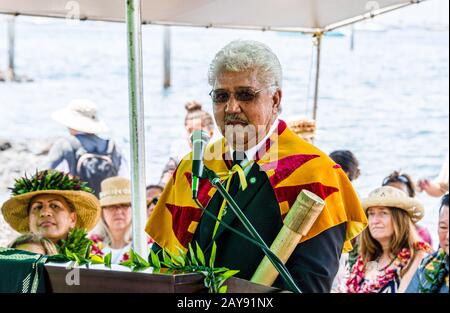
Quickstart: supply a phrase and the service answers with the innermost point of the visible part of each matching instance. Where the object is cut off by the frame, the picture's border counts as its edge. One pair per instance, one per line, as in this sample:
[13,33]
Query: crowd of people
[368,244]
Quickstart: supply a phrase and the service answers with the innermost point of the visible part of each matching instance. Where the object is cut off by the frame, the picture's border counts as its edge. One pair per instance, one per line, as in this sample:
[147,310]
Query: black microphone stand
[277,263]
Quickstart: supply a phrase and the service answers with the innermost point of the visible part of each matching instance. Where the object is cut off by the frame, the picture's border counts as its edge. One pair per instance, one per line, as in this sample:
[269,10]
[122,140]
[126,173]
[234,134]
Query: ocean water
[387,100]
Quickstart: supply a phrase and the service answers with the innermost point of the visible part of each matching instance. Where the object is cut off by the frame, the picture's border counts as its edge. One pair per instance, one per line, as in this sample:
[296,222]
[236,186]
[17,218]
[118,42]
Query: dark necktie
[238,157]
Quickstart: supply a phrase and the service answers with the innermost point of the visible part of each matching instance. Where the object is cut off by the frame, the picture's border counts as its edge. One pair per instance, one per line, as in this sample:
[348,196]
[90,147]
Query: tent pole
[352,38]
[318,43]
[137,139]
[167,56]
[10,72]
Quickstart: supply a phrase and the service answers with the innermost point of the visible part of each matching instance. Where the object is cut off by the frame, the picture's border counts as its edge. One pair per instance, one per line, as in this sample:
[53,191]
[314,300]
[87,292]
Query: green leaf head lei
[48,180]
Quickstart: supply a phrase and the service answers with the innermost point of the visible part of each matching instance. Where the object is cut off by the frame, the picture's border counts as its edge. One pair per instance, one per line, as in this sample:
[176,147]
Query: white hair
[245,55]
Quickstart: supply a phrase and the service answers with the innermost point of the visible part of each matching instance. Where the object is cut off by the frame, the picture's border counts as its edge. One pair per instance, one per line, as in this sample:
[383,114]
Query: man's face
[245,123]
[443,229]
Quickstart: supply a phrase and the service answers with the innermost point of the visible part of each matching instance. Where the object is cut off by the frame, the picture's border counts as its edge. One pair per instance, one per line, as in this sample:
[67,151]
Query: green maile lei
[77,250]
[185,262]
[434,273]
[48,180]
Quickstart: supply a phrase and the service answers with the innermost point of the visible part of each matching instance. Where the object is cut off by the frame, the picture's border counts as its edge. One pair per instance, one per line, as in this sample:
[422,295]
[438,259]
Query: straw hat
[80,115]
[115,190]
[85,204]
[388,196]
[303,126]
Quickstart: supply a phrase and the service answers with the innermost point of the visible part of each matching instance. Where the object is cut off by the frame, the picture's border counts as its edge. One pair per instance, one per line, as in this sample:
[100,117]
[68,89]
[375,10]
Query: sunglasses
[399,178]
[154,201]
[244,94]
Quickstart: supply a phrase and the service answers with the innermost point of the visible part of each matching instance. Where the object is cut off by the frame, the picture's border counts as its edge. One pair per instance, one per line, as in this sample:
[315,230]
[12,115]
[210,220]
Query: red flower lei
[357,284]
[98,245]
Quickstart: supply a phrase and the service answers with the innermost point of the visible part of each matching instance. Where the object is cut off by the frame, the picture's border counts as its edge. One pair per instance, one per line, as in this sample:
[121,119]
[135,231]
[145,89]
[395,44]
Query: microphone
[199,139]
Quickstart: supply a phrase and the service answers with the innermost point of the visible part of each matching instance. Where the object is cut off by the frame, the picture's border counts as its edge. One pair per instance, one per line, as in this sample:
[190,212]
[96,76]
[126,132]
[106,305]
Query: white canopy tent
[278,15]
[309,16]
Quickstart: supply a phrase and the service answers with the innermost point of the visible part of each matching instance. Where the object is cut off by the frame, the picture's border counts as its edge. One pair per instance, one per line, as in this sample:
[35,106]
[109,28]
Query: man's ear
[277,100]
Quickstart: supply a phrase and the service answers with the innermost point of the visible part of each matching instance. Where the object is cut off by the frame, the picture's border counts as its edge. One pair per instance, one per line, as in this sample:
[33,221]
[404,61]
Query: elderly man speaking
[264,166]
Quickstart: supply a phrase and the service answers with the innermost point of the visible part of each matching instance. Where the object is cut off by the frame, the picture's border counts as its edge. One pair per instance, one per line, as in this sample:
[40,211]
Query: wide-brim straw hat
[80,115]
[86,206]
[115,190]
[388,196]
[302,126]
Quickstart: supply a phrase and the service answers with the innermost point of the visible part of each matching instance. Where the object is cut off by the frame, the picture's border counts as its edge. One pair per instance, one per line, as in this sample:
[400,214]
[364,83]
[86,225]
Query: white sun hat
[80,115]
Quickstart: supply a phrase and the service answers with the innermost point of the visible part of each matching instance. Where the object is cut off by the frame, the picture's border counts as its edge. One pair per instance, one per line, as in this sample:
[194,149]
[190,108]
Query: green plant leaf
[192,255]
[107,260]
[175,259]
[128,263]
[223,289]
[166,258]
[229,273]
[87,250]
[132,256]
[212,259]
[200,255]
[183,255]
[69,254]
[140,261]
[220,270]
[155,260]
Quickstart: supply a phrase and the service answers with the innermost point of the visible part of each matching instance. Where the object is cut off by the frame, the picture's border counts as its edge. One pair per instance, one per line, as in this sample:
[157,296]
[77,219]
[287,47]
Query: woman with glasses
[113,232]
[405,183]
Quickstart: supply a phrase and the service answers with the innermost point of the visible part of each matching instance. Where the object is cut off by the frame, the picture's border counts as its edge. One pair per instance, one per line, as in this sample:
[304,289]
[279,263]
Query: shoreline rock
[20,158]
[4,145]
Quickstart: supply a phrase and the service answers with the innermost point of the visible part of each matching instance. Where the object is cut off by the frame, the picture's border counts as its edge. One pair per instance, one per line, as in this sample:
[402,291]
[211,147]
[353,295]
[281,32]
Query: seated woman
[432,275]
[390,251]
[50,204]
[34,243]
[404,182]
[113,233]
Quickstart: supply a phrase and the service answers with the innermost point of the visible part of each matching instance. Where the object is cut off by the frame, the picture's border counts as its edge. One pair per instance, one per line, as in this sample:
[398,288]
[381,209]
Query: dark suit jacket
[313,264]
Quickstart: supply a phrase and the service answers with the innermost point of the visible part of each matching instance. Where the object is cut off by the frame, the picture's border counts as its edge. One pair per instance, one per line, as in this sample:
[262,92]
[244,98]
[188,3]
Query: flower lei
[98,246]
[434,273]
[357,284]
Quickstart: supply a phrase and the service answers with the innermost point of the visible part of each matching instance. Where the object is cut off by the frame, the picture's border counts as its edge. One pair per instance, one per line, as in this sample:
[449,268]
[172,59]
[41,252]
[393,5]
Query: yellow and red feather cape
[291,164]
